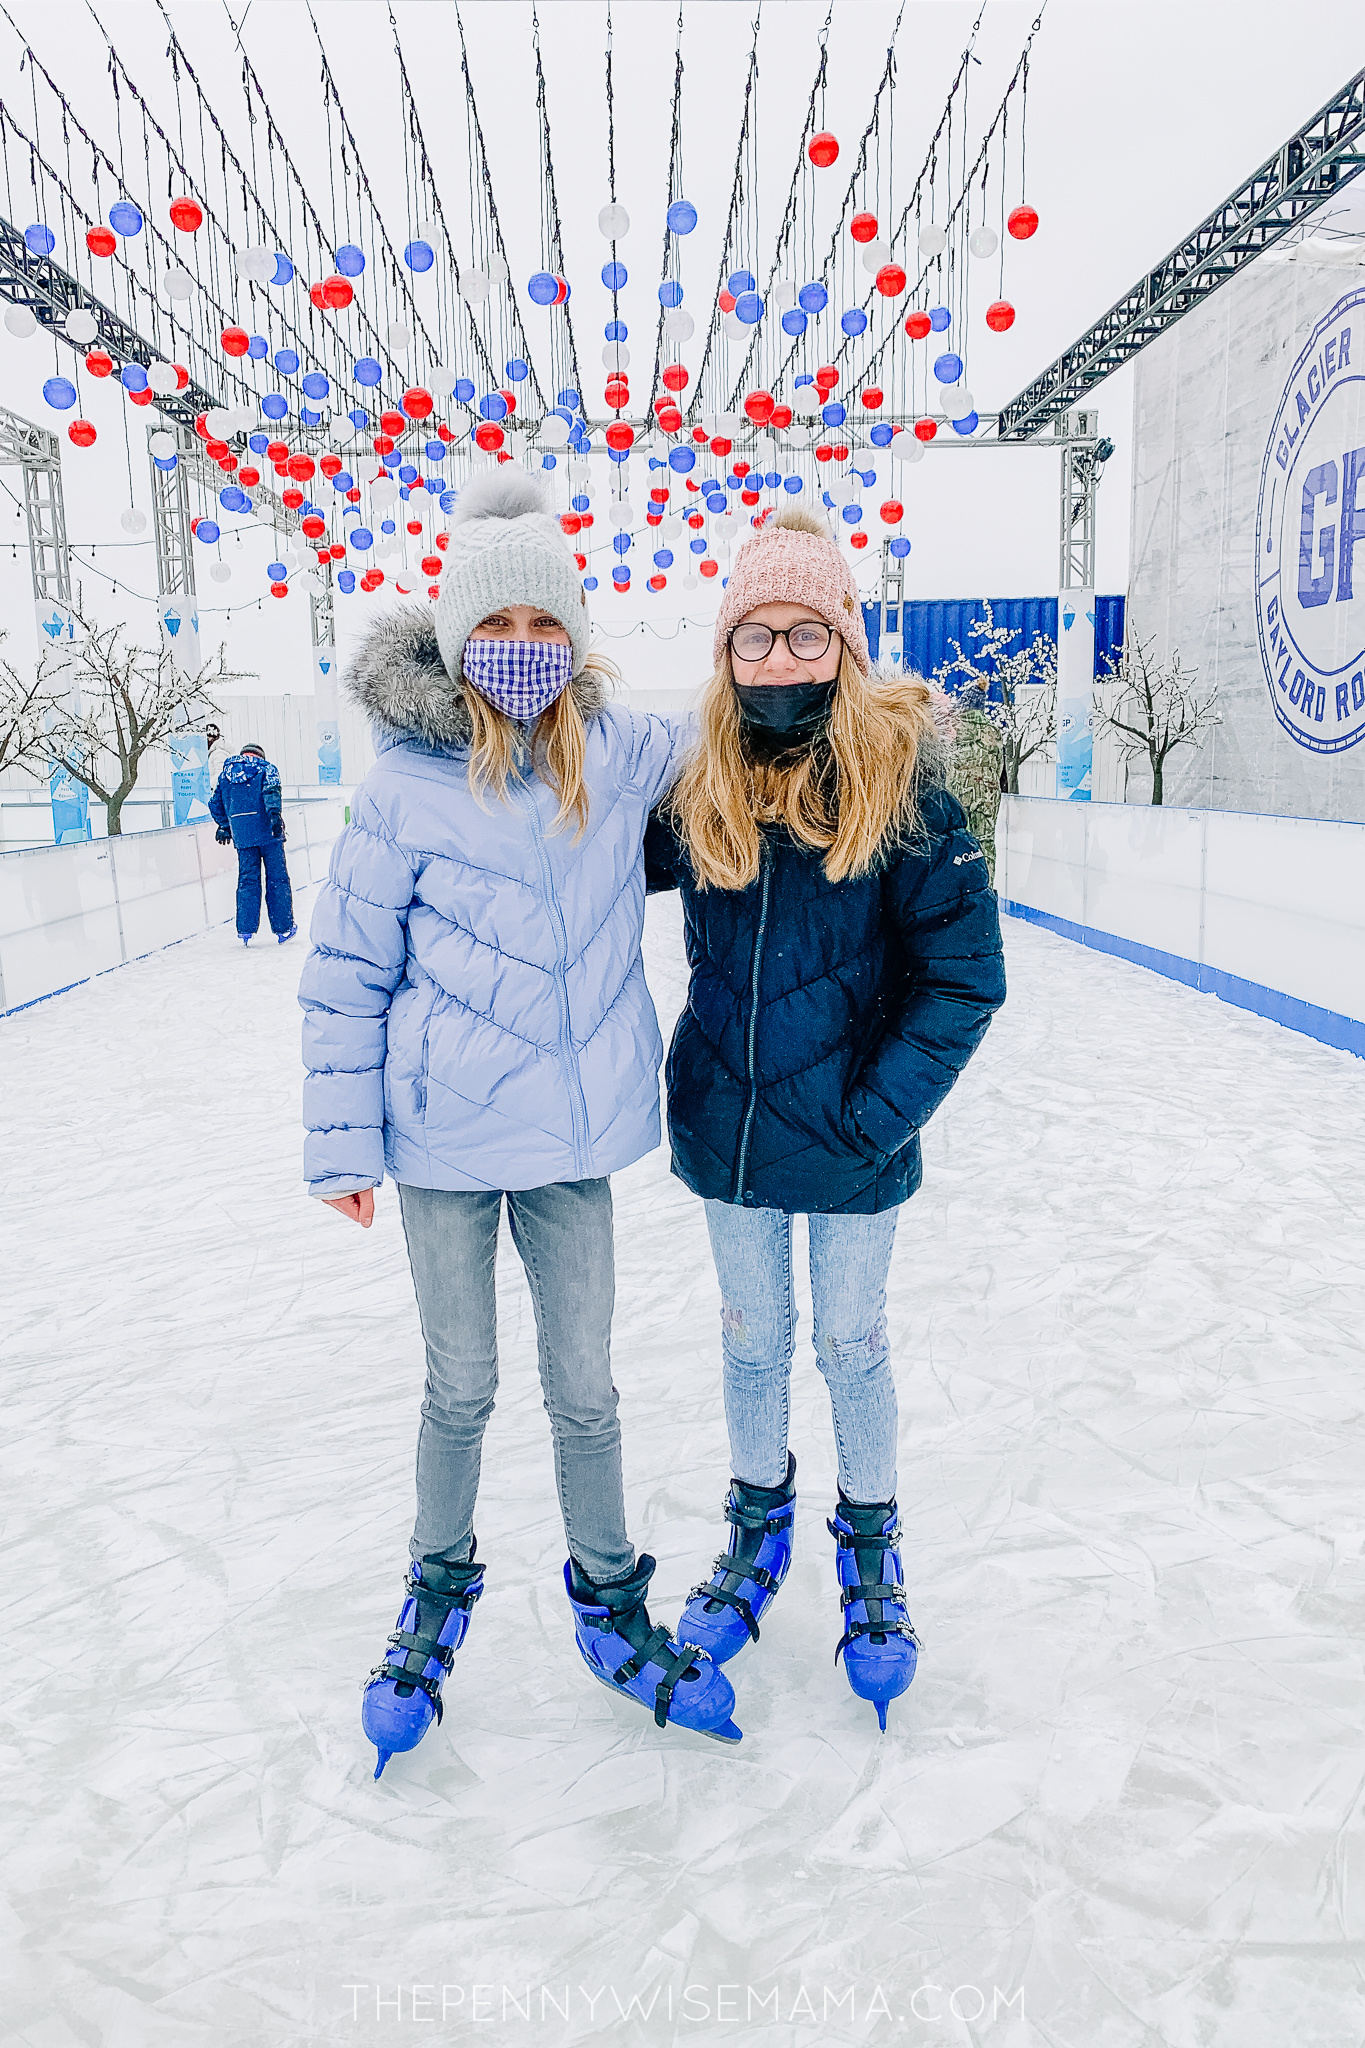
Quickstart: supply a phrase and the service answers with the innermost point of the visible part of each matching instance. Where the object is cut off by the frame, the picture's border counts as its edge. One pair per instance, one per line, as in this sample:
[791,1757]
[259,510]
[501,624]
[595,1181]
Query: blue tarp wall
[931,624]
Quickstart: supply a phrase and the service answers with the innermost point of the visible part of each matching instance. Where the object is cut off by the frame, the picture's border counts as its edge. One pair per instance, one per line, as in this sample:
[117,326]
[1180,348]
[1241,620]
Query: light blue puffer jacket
[476,1014]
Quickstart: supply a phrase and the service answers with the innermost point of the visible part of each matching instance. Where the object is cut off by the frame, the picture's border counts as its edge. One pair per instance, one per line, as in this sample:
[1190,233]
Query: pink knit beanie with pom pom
[794,559]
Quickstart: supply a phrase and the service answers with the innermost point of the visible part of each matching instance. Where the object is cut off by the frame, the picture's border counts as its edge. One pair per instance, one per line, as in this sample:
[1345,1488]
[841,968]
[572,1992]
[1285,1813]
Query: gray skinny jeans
[564,1236]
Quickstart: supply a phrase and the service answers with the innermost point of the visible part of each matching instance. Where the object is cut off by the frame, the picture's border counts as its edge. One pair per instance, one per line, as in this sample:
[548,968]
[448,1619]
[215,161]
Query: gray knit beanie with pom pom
[506,547]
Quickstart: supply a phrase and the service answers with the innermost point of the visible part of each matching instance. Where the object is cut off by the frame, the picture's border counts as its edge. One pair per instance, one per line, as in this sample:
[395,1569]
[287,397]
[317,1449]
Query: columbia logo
[960,859]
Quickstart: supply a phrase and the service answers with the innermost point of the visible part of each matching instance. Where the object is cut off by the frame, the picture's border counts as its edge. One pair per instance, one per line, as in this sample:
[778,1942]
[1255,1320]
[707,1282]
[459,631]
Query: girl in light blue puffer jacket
[477,1024]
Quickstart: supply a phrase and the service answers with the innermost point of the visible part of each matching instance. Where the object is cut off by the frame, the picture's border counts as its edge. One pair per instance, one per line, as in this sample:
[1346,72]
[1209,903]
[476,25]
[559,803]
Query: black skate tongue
[746,1510]
[869,1521]
[625,1601]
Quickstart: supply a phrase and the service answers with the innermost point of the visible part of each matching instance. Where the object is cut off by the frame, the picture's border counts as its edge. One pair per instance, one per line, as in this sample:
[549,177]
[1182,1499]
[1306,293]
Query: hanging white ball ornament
[932,242]
[984,242]
[875,255]
[179,284]
[81,326]
[163,444]
[614,223]
[255,265]
[497,270]
[220,572]
[621,513]
[133,521]
[162,379]
[907,447]
[616,356]
[798,436]
[784,293]
[20,322]
[383,493]
[474,287]
[689,581]
[398,337]
[734,328]
[960,404]
[554,432]
[441,383]
[679,324]
[217,419]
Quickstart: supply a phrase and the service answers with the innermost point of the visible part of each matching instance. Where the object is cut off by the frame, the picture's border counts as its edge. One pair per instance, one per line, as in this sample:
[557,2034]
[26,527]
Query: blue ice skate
[879,1646]
[722,1616]
[620,1646]
[284,937]
[403,1695]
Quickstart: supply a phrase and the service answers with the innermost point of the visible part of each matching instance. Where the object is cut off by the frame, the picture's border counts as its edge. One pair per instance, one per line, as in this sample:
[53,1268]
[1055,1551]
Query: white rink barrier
[70,912]
[1267,913]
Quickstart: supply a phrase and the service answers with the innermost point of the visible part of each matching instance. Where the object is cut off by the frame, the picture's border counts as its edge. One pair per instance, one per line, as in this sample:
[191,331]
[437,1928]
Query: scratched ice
[1121,1801]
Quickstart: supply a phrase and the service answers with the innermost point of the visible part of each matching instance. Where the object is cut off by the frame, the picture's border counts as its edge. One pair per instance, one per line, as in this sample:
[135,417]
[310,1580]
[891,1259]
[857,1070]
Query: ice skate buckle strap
[888,1594]
[417,1679]
[759,1518]
[716,1589]
[654,1650]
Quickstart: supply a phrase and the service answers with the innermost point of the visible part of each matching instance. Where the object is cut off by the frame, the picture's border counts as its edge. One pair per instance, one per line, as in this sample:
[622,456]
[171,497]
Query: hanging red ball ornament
[489,436]
[619,435]
[891,280]
[759,406]
[443,541]
[236,341]
[187,215]
[580,561]
[337,551]
[570,522]
[392,423]
[925,430]
[892,511]
[301,468]
[858,540]
[699,434]
[823,149]
[227,463]
[278,451]
[417,403]
[740,468]
[509,399]
[782,416]
[824,453]
[315,294]
[872,397]
[918,325]
[863,227]
[216,449]
[141,397]
[675,377]
[101,241]
[749,497]
[826,378]
[292,498]
[617,393]
[99,364]
[431,565]
[999,315]
[670,419]
[330,465]
[840,452]
[726,302]
[314,527]
[710,568]
[383,444]
[82,433]
[182,376]
[414,527]
[249,477]
[695,519]
[353,496]
[279,590]
[1023,222]
[722,445]
[586,516]
[337,292]
[657,582]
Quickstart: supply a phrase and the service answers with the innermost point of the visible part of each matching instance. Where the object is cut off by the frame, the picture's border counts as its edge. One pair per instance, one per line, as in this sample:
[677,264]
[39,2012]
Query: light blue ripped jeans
[849,1260]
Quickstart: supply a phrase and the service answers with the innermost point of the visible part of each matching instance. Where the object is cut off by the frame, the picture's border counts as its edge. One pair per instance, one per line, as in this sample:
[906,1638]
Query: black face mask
[785,714]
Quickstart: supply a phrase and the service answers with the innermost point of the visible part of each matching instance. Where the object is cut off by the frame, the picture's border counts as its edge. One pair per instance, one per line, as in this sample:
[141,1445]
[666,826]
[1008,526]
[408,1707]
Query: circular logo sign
[1310,539]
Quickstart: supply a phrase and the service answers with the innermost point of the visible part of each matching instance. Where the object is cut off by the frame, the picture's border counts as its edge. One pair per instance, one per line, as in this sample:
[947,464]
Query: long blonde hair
[849,800]
[559,745]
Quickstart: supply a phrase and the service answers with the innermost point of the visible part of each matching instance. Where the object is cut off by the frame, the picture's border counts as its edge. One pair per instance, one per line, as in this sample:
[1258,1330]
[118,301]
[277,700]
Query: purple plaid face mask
[520,677]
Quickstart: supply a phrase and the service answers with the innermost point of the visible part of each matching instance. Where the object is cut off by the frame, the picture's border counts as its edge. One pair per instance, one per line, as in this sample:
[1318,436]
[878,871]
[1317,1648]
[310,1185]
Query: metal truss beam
[1311,167]
[39,454]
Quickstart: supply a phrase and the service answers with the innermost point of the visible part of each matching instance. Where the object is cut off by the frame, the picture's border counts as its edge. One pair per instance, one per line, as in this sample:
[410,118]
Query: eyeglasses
[806,641]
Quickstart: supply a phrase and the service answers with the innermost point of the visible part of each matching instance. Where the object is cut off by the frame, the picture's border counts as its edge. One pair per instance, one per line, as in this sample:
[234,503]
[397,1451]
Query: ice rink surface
[1119,1807]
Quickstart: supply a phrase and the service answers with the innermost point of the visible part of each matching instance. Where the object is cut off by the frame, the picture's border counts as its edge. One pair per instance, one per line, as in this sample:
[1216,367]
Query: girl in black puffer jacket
[845,955]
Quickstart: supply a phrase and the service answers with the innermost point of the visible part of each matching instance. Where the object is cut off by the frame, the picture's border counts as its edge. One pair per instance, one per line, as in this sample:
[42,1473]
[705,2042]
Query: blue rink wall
[931,625]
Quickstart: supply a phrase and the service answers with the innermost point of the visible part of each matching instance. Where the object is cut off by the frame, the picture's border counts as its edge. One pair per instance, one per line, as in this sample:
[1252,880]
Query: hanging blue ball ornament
[812,298]
[663,558]
[258,443]
[316,385]
[548,462]
[60,393]
[772,479]
[165,461]
[670,293]
[854,321]
[749,308]
[581,502]
[124,218]
[590,583]
[407,473]
[715,501]
[698,546]
[39,240]
[343,481]
[615,330]
[133,377]
[207,531]
[275,406]
[258,348]
[435,451]
[620,574]
[869,477]
[622,543]
[346,581]
[613,277]
[286,361]
[464,390]
[350,261]
[740,281]
[792,484]
[940,319]
[284,269]
[882,435]
[542,288]
[681,217]
[793,321]
[387,526]
[852,514]
[619,454]
[515,371]
[309,417]
[947,368]
[234,499]
[833,414]
[682,459]
[358,417]
[804,378]
[419,256]
[900,547]
[449,499]
[568,397]
[967,426]
[367,371]
[493,406]
[360,538]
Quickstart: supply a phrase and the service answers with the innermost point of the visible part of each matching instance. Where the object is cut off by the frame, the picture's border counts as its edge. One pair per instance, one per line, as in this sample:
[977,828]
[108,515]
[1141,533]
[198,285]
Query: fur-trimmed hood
[398,677]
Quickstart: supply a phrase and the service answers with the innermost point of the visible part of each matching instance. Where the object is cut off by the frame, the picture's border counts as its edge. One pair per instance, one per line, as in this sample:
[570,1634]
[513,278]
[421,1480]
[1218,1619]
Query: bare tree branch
[1153,707]
[26,709]
[1026,710]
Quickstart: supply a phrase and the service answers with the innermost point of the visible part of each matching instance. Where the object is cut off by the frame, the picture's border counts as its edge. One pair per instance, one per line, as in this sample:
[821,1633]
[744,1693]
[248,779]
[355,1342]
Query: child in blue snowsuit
[246,808]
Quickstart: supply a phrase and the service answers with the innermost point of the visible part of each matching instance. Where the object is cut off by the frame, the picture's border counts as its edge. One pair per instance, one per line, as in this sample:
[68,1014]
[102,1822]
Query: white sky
[1141,117]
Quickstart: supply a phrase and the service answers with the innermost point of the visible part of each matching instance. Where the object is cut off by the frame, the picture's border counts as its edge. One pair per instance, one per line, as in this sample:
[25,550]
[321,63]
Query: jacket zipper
[765,865]
[578,1107]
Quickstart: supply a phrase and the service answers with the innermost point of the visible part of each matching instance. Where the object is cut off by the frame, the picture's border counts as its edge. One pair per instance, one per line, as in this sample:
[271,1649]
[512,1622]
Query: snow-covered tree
[130,699]
[1026,710]
[1152,707]
[25,708]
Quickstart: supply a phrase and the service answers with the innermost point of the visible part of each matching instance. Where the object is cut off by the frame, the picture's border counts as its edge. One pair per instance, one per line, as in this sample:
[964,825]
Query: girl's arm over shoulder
[659,744]
[936,894]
